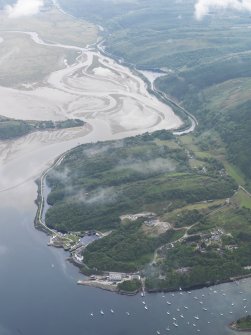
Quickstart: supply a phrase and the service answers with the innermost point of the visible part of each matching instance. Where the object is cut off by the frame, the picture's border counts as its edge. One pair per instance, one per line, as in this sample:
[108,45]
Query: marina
[186,320]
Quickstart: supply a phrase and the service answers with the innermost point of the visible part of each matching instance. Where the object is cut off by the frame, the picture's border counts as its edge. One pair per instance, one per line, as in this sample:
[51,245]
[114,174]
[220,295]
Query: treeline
[207,268]
[232,123]
[200,77]
[237,136]
[95,184]
[130,286]
[126,249]
[11,129]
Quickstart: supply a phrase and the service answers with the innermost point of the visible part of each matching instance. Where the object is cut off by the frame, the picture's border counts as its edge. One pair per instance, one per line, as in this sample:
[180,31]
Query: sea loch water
[39,294]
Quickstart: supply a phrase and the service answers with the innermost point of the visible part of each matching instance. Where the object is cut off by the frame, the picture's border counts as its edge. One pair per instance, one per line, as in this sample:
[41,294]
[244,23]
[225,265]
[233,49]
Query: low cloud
[60,175]
[24,8]
[158,165]
[99,196]
[203,7]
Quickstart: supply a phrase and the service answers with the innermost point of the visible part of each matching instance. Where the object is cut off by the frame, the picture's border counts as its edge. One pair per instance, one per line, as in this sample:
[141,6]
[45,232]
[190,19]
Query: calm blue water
[39,295]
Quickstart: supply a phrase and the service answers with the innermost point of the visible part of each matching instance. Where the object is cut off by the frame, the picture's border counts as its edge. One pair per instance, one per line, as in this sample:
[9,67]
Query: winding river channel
[38,290]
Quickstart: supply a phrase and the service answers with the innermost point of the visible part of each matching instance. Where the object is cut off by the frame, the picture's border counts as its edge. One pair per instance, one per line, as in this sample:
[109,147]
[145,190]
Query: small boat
[146,307]
[232,304]
[101,312]
[163,296]
[127,313]
[194,324]
[172,294]
[230,312]
[221,314]
[224,294]
[168,313]
[215,291]
[189,292]
[196,298]
[175,324]
[198,330]
[188,322]
[185,307]
[203,295]
[168,302]
[244,307]
[91,314]
[174,319]
[158,332]
[143,302]
[196,317]
[244,299]
[201,302]
[204,309]
[182,316]
[142,294]
[208,322]
[178,310]
[167,328]
[112,311]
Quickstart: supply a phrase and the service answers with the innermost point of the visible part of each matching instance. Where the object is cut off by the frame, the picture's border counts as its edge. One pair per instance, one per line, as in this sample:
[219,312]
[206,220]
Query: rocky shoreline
[237,325]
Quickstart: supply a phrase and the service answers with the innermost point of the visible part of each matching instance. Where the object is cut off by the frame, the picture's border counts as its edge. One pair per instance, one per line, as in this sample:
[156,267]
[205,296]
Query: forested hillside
[161,204]
[207,62]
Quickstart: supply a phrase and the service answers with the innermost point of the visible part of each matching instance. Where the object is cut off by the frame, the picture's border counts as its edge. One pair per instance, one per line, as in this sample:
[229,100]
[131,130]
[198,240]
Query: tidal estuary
[38,290]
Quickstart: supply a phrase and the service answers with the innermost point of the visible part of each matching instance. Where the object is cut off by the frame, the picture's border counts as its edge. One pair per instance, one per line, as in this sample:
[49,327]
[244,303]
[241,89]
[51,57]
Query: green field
[243,199]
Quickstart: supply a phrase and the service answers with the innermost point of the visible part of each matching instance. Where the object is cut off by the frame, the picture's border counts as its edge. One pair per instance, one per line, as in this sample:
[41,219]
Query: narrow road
[246,191]
[42,199]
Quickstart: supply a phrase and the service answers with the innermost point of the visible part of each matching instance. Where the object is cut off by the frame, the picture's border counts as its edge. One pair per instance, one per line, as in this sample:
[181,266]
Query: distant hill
[208,62]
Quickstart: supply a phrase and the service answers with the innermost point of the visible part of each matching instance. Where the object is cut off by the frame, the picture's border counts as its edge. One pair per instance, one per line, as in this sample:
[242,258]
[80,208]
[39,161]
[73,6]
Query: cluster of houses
[215,239]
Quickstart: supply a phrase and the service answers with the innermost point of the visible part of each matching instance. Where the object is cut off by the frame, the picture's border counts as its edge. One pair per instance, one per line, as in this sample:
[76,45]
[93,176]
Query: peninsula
[242,324]
[150,206]
[12,128]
